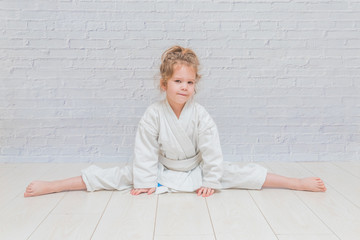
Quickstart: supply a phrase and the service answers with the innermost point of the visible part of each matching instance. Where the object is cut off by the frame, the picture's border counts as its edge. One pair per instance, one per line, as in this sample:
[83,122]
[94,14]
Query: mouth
[184,95]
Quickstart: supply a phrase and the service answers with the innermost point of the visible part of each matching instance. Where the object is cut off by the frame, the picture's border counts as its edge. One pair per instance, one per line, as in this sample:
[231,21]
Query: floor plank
[235,216]
[78,212]
[341,180]
[82,202]
[15,183]
[307,237]
[58,171]
[339,214]
[128,217]
[182,214]
[351,167]
[75,217]
[23,215]
[6,170]
[286,213]
[67,226]
[185,237]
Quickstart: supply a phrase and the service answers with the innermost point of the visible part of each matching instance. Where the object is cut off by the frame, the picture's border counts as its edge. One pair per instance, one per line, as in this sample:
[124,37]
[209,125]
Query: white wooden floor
[232,214]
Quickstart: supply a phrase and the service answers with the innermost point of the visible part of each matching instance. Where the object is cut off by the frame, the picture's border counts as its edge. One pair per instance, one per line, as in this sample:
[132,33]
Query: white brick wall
[280,78]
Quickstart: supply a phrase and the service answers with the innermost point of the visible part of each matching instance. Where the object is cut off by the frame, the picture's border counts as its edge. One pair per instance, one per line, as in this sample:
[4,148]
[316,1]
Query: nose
[184,86]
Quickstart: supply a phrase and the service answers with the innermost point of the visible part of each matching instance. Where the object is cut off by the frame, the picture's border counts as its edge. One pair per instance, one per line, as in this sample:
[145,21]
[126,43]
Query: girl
[177,148]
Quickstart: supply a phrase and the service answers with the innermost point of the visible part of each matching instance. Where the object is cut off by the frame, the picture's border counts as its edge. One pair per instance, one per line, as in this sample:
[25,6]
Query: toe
[26,194]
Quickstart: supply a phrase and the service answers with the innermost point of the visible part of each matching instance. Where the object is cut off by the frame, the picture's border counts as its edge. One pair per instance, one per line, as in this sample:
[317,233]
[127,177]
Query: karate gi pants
[250,176]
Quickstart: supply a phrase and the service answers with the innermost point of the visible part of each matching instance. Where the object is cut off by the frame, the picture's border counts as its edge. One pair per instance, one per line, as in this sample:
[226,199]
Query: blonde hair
[177,55]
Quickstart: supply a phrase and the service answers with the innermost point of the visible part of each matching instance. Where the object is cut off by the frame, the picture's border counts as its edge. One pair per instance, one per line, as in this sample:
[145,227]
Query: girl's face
[181,86]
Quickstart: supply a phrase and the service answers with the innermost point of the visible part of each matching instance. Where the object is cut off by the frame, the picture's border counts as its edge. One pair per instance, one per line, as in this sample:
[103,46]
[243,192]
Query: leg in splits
[37,188]
[312,184]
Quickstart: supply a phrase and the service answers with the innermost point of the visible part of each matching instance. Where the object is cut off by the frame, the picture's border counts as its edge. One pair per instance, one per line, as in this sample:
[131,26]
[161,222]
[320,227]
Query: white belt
[181,165]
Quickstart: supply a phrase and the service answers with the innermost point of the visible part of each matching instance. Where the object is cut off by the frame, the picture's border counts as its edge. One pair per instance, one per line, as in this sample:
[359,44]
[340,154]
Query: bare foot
[37,188]
[312,184]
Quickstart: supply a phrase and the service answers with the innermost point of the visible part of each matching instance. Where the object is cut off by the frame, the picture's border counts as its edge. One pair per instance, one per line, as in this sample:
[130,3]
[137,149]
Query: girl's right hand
[137,191]
[205,192]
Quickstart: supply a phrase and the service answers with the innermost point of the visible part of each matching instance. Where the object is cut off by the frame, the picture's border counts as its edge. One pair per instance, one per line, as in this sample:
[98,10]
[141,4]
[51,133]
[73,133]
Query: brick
[48,43]
[89,44]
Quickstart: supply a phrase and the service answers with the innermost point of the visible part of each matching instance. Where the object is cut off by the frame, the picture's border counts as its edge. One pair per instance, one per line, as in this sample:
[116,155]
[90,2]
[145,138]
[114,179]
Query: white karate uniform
[182,154]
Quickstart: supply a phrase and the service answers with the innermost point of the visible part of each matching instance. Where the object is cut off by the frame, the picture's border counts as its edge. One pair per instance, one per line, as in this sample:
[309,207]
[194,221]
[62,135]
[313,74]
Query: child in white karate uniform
[177,148]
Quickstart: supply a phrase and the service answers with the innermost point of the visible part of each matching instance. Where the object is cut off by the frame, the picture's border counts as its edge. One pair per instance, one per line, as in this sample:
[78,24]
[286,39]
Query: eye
[177,81]
[190,82]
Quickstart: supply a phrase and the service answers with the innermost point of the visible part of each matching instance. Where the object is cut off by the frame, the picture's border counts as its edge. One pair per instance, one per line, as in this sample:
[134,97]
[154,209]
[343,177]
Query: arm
[146,152]
[209,146]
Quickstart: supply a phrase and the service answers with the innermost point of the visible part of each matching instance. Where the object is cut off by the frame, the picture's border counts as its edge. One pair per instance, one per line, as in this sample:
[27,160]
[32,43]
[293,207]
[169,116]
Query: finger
[134,192]
[137,191]
[144,190]
[208,191]
[205,192]
[211,192]
[200,191]
[151,191]
[141,190]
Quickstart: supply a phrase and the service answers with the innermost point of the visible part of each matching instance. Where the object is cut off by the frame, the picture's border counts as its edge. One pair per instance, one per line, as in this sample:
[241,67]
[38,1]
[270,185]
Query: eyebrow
[180,78]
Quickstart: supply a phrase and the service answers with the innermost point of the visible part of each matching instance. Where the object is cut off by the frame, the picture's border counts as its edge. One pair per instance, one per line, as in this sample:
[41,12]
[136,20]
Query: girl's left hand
[205,192]
[137,191]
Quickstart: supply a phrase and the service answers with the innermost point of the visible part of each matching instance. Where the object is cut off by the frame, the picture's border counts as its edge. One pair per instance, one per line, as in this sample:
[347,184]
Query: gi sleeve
[146,152]
[209,146]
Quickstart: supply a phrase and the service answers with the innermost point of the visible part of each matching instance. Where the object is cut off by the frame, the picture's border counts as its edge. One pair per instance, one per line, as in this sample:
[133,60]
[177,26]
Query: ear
[162,85]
